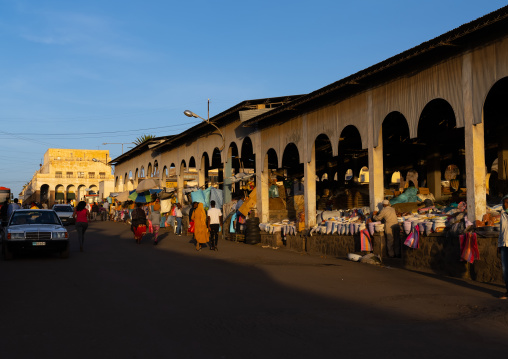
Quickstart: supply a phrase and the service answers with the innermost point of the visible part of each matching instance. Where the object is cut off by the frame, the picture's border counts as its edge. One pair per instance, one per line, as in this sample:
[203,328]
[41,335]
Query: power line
[80,135]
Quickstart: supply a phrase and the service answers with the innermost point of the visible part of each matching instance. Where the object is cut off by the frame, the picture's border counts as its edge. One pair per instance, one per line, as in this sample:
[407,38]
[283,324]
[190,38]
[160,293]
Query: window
[69,174]
[102,175]
[81,174]
[91,174]
[58,174]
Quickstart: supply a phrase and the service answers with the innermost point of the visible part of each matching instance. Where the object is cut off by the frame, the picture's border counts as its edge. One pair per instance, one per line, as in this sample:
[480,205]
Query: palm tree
[143,139]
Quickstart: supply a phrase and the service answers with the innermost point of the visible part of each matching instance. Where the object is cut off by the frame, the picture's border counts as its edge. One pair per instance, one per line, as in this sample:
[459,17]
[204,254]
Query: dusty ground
[123,300]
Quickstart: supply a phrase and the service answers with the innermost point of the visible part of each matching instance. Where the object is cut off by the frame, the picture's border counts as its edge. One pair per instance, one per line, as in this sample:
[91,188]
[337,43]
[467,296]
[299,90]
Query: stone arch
[441,144]
[71,192]
[325,163]
[165,173]
[351,154]
[291,161]
[156,169]
[149,170]
[399,150]
[59,193]
[495,113]
[247,155]
[273,162]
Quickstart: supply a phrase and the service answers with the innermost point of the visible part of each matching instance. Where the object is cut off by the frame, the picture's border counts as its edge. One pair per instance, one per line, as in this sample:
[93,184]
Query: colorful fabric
[365,242]
[413,239]
[150,227]
[200,228]
[469,247]
[139,231]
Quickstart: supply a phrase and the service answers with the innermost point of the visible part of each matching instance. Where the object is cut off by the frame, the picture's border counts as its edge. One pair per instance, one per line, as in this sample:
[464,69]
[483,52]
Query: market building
[435,111]
[70,174]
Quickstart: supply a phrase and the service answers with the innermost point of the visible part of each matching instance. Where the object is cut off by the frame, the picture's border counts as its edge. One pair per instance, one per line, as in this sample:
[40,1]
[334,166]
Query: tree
[143,139]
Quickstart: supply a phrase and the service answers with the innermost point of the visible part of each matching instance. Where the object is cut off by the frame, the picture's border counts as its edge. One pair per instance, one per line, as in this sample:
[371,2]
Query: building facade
[439,106]
[71,174]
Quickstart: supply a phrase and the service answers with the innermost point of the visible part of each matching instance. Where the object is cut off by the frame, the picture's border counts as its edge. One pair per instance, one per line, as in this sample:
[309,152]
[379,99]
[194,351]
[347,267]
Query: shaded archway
[232,167]
[399,150]
[149,170]
[59,194]
[441,143]
[495,113]
[155,169]
[71,193]
[350,160]
[215,172]
[44,193]
[325,168]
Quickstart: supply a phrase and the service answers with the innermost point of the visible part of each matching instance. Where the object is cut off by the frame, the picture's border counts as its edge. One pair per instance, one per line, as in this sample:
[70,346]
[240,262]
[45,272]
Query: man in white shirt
[214,219]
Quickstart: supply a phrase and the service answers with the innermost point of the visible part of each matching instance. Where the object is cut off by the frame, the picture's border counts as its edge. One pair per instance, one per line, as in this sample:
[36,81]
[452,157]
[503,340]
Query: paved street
[123,300]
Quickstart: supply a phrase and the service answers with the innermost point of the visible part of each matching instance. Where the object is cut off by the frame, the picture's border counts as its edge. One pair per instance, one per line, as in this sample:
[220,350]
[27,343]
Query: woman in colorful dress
[200,227]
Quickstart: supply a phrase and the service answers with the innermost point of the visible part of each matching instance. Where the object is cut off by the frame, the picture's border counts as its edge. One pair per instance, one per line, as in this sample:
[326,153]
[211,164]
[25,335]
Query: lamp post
[189,113]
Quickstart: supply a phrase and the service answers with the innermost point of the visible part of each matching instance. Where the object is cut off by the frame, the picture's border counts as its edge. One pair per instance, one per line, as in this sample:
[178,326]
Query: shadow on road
[123,300]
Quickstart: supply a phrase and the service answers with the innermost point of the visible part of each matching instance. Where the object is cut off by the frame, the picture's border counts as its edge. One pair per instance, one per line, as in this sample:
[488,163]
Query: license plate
[38,243]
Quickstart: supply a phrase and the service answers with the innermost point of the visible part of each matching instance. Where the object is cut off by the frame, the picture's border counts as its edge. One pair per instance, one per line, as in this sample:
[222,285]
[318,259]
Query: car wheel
[7,254]
[65,252]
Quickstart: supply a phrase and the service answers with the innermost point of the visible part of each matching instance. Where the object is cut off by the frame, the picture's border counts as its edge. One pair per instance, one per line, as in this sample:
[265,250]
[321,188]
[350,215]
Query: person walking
[12,207]
[95,211]
[392,228]
[138,222]
[200,226]
[155,218]
[178,216]
[502,243]
[81,215]
[214,220]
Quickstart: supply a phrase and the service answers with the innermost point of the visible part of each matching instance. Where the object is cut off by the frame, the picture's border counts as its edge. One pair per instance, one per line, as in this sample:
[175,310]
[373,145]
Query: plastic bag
[191,227]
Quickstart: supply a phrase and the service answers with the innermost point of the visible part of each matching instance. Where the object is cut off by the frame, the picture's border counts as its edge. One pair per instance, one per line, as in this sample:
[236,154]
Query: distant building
[70,174]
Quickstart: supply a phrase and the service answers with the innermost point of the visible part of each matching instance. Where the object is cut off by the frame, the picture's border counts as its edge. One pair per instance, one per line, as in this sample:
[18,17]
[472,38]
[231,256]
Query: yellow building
[70,174]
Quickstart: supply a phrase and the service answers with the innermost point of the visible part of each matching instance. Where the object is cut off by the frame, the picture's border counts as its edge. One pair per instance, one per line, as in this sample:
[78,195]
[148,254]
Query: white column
[226,189]
[262,178]
[262,185]
[201,172]
[475,148]
[310,190]
[179,183]
[376,167]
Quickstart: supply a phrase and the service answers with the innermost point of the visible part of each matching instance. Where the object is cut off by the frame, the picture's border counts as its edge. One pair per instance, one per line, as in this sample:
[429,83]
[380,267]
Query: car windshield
[63,209]
[34,217]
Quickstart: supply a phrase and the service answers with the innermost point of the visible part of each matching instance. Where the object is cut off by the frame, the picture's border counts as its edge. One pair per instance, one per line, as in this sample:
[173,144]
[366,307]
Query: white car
[35,230]
[64,212]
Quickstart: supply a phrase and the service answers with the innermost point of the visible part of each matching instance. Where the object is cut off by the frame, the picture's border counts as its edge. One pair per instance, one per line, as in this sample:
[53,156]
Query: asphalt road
[118,299]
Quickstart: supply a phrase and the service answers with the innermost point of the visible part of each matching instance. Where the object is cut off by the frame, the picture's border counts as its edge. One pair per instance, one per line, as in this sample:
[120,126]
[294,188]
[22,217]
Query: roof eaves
[446,39]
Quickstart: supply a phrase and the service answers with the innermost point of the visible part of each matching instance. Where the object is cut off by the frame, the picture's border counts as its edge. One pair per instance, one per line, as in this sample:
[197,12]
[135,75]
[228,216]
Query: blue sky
[76,74]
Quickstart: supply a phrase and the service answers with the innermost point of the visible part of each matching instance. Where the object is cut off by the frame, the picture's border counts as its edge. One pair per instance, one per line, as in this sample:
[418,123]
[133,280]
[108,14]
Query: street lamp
[189,113]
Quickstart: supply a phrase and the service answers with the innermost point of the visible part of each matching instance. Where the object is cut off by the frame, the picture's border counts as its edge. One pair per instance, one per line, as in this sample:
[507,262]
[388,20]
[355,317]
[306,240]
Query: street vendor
[392,228]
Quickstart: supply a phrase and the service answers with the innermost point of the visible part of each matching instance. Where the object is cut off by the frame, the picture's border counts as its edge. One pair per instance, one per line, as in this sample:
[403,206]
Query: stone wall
[438,253]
